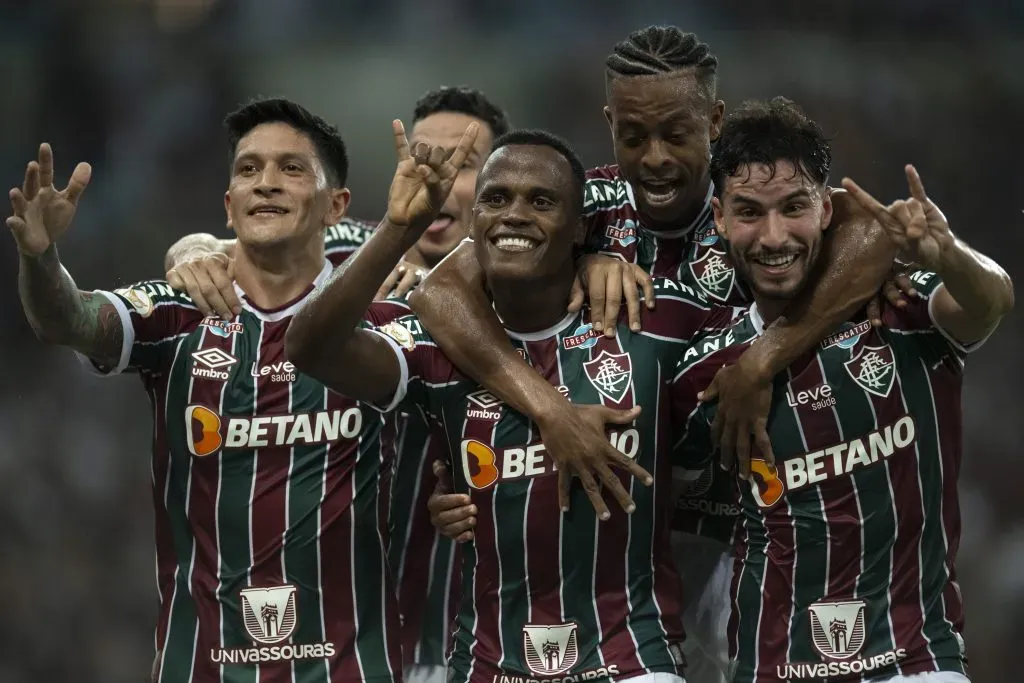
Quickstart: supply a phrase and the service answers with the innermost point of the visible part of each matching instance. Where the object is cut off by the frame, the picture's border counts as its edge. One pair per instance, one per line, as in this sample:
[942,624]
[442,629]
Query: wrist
[950,259]
[755,363]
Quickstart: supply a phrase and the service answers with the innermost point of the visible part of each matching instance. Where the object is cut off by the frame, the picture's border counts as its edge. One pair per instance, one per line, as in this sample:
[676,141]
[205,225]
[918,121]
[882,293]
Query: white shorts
[425,673]
[929,677]
[657,677]
[706,568]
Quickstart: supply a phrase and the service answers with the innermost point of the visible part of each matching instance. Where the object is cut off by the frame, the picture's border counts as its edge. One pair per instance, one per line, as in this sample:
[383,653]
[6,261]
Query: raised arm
[57,310]
[977,292]
[328,326]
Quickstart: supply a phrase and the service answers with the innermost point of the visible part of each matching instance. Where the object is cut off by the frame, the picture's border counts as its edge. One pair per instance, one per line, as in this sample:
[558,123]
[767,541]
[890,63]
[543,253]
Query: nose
[269,181]
[518,214]
[773,232]
[656,156]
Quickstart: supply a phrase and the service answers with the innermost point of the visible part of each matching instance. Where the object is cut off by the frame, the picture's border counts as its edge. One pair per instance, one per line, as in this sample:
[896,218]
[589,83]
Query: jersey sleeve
[680,312]
[154,317]
[919,314]
[345,237]
[424,369]
[691,431]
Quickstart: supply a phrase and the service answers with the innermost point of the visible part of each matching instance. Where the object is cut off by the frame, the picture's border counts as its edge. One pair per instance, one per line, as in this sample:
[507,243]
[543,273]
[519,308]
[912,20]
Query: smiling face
[773,219]
[662,127]
[526,219]
[445,129]
[278,191]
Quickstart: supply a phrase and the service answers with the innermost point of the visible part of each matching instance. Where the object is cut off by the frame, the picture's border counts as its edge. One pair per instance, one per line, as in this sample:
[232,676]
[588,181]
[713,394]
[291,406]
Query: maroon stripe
[392,616]
[166,557]
[202,511]
[739,555]
[777,589]
[486,651]
[611,579]
[337,551]
[905,588]
[669,257]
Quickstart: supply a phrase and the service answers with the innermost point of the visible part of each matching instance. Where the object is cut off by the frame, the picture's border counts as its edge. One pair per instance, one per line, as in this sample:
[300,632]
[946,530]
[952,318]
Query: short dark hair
[462,100]
[330,148]
[663,49]
[767,132]
[542,138]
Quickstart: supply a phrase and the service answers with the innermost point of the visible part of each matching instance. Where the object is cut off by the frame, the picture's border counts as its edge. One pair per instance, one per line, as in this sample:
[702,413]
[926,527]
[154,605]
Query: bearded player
[270,491]
[845,562]
[654,209]
[546,592]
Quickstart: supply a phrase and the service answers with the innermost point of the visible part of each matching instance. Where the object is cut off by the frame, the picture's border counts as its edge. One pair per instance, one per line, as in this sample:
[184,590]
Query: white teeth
[514,243]
[776,260]
[660,197]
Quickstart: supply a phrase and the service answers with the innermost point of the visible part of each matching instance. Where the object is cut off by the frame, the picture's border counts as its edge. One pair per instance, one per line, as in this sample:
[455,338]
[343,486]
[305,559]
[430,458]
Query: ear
[608,117]
[826,205]
[227,210]
[339,205]
[716,116]
[716,205]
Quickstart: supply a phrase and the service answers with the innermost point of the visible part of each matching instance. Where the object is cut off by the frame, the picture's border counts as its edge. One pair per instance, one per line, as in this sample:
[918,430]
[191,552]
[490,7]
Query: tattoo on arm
[62,314]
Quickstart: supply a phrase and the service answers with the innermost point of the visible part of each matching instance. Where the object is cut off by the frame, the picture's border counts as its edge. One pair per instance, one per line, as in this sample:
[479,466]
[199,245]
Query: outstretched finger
[564,483]
[18,202]
[389,283]
[576,297]
[464,147]
[869,203]
[30,188]
[612,303]
[917,226]
[624,462]
[45,165]
[593,492]
[916,186]
[631,293]
[401,142]
[643,279]
[874,311]
[436,157]
[78,182]
[614,484]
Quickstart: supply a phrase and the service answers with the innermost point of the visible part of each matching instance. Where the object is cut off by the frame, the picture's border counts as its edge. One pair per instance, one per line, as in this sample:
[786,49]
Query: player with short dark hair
[546,591]
[845,564]
[271,492]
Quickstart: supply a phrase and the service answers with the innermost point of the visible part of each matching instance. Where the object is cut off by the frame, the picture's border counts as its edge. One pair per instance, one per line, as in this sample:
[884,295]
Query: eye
[292,167]
[746,212]
[493,199]
[795,209]
[247,169]
[676,139]
[543,203]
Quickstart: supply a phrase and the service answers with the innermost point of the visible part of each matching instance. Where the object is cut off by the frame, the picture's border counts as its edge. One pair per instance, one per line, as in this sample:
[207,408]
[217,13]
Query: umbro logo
[212,364]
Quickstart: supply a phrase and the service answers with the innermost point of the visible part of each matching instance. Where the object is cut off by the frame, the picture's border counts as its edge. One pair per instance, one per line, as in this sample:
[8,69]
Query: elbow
[1005,302]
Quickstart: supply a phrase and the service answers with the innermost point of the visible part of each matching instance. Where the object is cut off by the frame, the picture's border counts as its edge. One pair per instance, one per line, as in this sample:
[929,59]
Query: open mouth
[517,243]
[660,192]
[442,222]
[267,211]
[775,262]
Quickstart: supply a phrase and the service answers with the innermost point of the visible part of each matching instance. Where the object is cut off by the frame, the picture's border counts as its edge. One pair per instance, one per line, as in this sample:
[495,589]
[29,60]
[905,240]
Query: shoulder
[606,190]
[667,289]
[147,296]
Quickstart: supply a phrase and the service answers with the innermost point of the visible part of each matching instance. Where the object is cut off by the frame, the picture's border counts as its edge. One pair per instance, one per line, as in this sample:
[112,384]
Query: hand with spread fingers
[424,178]
[42,213]
[605,282]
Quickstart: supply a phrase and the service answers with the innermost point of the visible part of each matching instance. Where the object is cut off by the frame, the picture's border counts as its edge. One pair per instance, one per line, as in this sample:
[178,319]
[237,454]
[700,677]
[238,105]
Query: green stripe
[181,635]
[370,573]
[302,546]
[434,641]
[237,472]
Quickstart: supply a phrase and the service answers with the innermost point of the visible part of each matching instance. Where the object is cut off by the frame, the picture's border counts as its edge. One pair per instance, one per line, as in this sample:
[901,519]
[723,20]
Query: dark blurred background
[139,87]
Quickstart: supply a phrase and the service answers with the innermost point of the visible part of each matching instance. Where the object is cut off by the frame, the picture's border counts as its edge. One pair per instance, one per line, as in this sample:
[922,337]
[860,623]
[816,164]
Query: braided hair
[663,49]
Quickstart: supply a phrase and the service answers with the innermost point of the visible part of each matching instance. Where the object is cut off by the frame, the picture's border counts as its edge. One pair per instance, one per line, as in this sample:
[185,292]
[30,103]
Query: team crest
[874,369]
[139,300]
[611,374]
[714,274]
[269,613]
[550,650]
[400,333]
[837,628]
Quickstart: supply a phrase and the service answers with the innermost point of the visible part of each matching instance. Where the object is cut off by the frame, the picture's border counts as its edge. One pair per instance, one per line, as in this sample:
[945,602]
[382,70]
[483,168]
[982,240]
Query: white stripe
[319,541]
[255,466]
[561,515]
[287,500]
[494,518]
[792,596]
[216,510]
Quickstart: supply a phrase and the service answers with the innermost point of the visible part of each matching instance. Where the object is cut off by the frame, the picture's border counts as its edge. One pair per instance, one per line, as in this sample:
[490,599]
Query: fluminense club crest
[269,613]
[611,374]
[874,369]
[550,650]
[714,274]
[837,628]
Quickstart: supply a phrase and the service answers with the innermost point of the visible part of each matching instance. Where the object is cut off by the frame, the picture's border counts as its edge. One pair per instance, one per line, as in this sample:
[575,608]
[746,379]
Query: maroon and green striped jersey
[422,560]
[845,559]
[271,498]
[696,256]
[548,595]
[342,239]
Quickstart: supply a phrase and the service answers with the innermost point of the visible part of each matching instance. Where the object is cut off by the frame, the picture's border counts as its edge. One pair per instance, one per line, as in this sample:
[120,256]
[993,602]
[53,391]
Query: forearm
[478,344]
[60,313]
[978,284]
[328,321]
[855,260]
[198,243]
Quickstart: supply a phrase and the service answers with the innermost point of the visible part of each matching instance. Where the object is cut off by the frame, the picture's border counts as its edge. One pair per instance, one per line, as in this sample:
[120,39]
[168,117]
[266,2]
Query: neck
[534,305]
[769,308]
[277,275]
[687,217]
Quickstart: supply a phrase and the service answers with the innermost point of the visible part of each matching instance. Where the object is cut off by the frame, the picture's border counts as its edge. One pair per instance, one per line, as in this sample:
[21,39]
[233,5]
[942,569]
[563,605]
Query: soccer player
[423,561]
[845,566]
[270,491]
[654,209]
[545,592]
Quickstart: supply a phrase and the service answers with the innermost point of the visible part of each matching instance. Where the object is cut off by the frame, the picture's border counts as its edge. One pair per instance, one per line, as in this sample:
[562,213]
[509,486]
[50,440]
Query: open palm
[42,213]
[424,178]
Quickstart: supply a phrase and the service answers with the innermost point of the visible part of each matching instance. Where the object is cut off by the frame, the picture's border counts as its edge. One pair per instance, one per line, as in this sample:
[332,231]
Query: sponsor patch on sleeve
[139,300]
[399,333]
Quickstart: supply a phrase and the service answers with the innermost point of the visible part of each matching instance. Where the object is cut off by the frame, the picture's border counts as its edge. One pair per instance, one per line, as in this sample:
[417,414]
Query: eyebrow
[796,194]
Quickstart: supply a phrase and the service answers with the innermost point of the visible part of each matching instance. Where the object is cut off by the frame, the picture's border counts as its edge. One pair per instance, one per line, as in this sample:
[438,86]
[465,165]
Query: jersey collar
[541,335]
[288,309]
[756,320]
